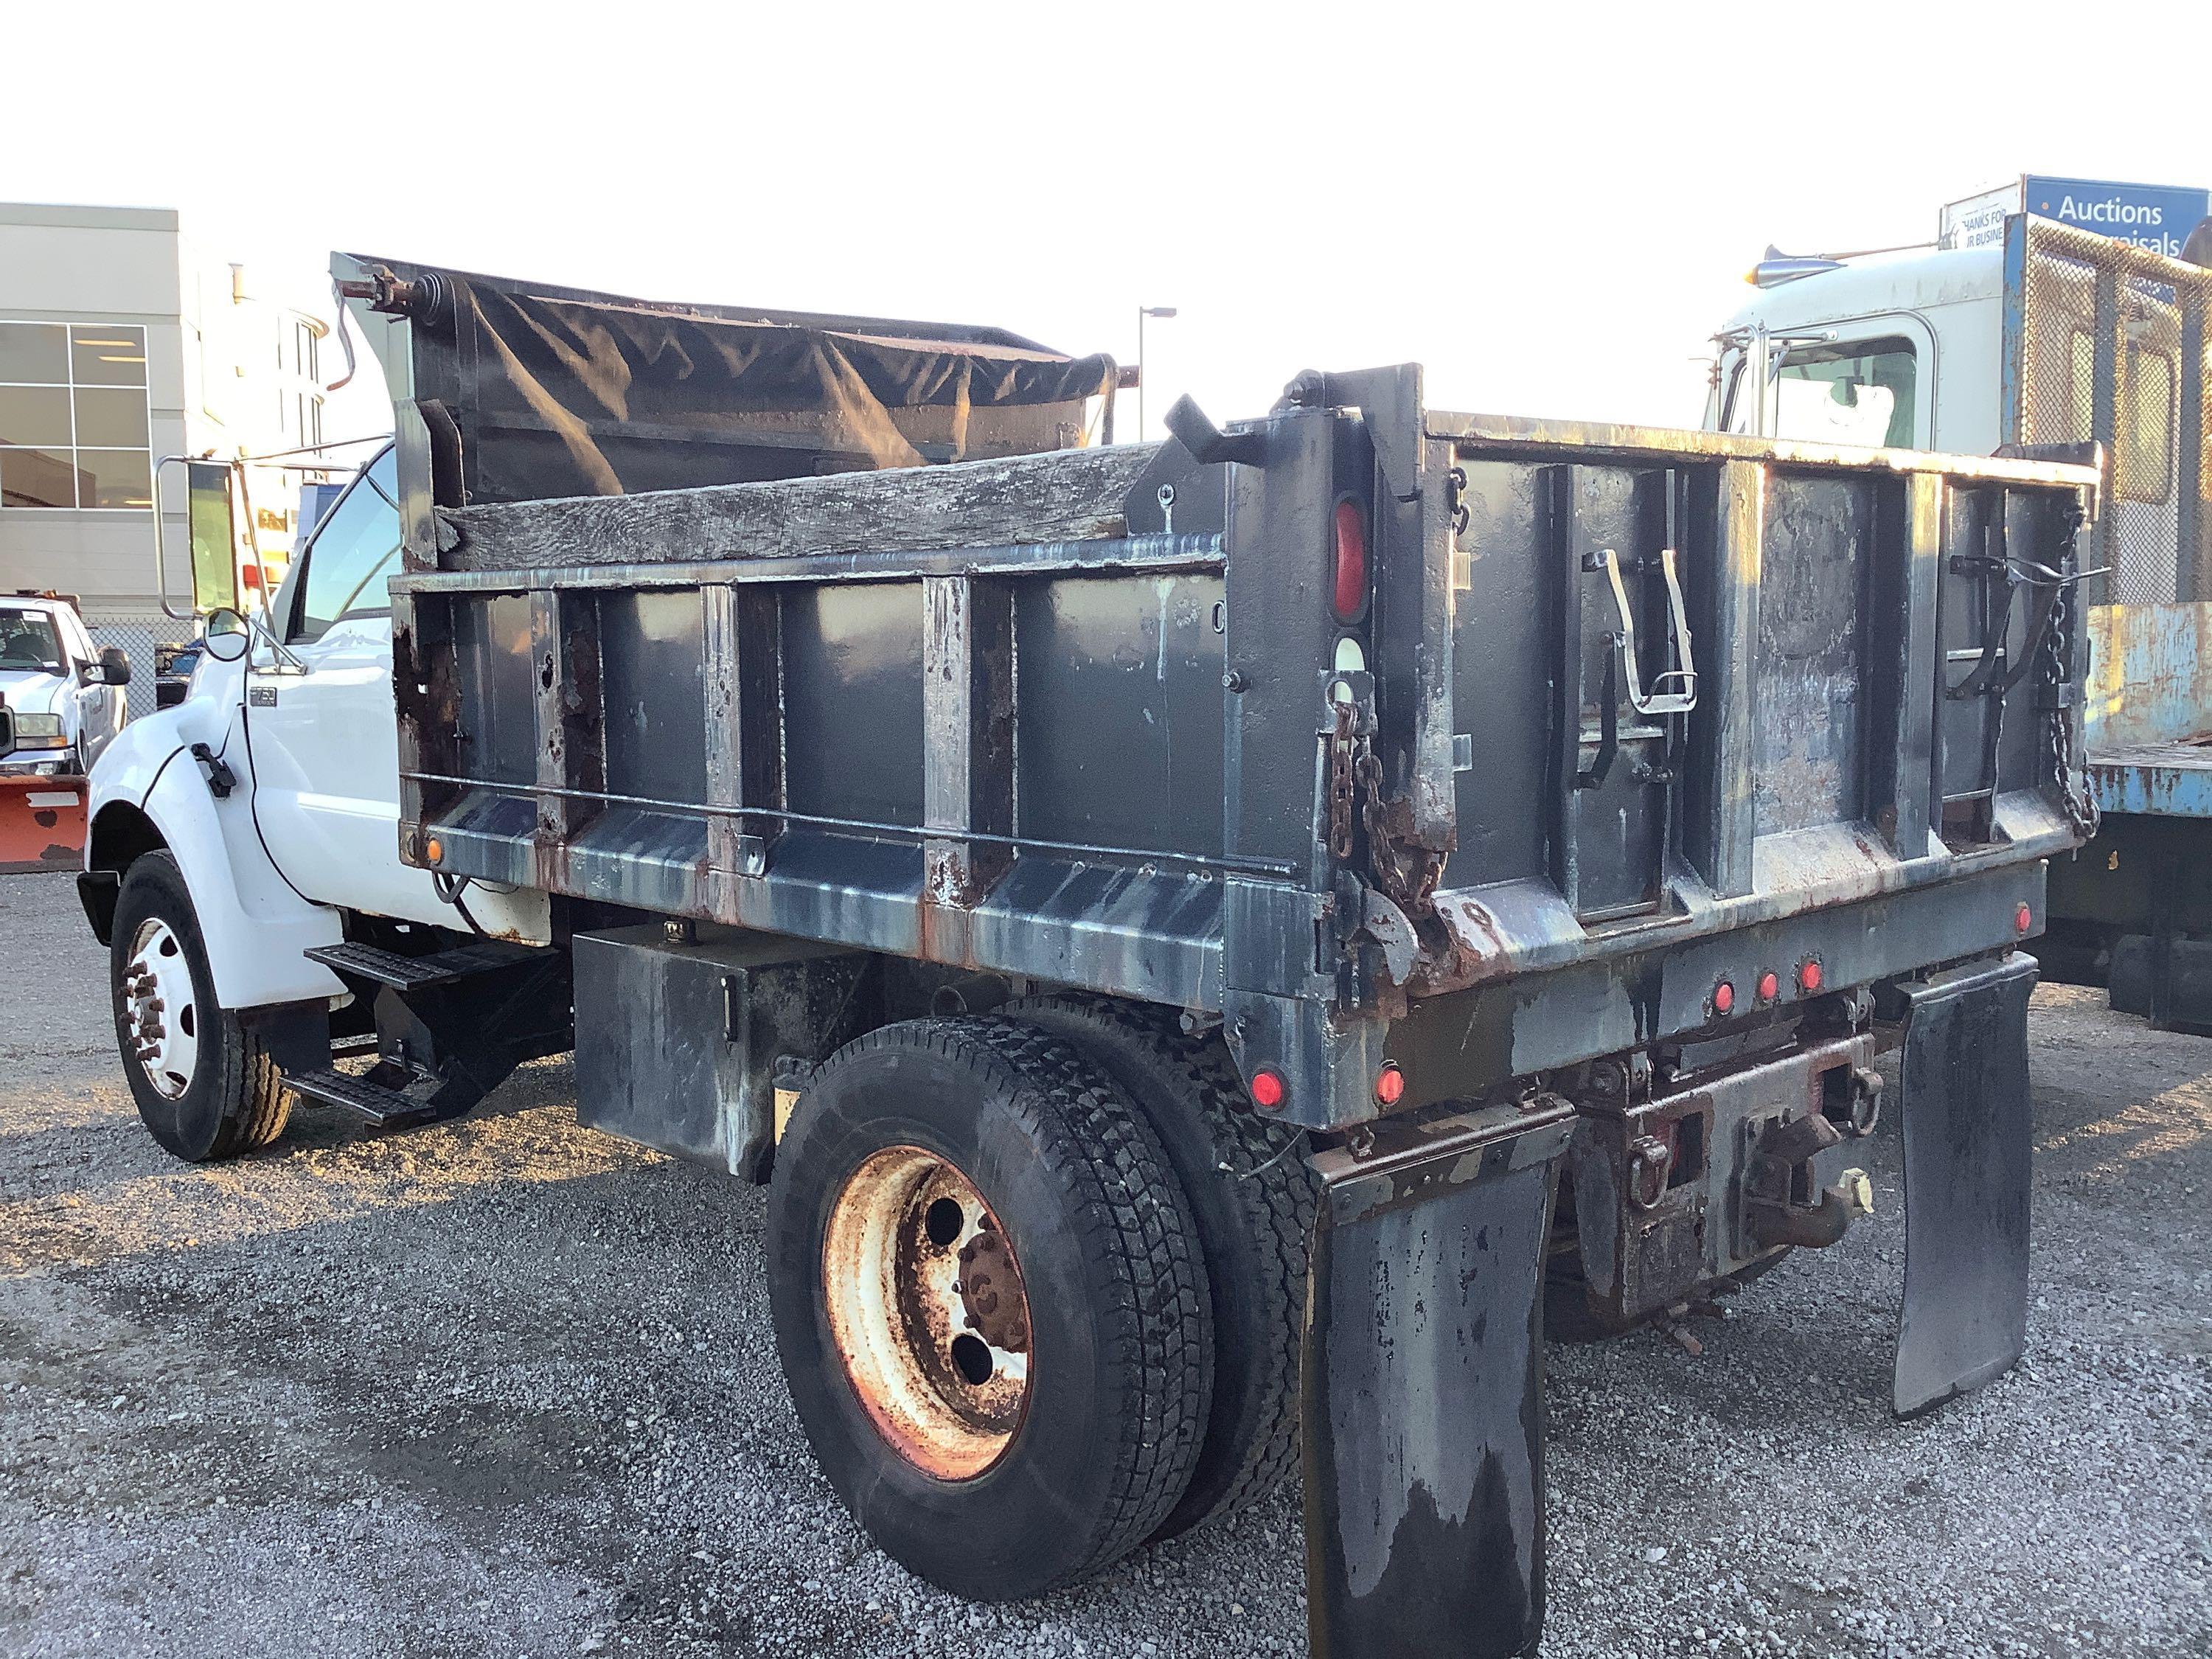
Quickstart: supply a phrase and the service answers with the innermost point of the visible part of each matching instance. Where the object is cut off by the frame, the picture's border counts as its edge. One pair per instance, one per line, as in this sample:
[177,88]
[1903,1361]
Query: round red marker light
[1268,1090]
[1391,1085]
[1723,997]
[2022,920]
[1809,974]
[1769,985]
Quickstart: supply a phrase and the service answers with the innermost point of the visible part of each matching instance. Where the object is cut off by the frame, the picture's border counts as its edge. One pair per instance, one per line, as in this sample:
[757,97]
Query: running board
[381,967]
[383,1101]
[1423,1379]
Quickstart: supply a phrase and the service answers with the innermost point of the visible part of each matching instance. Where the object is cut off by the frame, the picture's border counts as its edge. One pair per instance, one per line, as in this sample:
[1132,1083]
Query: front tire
[989,1303]
[205,1087]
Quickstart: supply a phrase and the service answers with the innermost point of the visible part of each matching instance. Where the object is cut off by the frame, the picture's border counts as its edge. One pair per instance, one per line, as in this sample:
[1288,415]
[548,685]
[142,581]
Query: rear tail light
[1268,1089]
[1348,593]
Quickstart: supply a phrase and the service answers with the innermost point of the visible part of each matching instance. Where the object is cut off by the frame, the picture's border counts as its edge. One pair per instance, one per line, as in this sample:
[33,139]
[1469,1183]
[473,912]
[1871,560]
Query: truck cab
[1899,352]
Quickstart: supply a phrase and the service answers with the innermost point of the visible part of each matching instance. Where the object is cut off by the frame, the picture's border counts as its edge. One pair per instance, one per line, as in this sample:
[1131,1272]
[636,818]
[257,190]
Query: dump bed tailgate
[1786,686]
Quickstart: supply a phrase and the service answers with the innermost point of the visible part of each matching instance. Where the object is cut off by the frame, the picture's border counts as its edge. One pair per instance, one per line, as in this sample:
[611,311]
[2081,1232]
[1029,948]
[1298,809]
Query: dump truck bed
[1084,718]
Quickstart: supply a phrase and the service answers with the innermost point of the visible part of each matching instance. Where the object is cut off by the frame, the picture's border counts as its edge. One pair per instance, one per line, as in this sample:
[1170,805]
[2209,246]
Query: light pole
[1144,311]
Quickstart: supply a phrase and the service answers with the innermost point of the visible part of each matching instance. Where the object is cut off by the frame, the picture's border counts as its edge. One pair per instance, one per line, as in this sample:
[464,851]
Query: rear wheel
[989,1304]
[204,1086]
[1252,1197]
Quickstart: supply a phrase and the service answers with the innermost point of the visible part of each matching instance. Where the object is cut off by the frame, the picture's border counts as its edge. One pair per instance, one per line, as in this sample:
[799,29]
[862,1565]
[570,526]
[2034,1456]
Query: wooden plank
[564,647]
[1074,494]
[968,731]
[744,724]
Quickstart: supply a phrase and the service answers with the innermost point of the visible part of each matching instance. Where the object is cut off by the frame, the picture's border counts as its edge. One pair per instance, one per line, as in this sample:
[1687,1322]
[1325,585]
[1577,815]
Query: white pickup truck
[61,704]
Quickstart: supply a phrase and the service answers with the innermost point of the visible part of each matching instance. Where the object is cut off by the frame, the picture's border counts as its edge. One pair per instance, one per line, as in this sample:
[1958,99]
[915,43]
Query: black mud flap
[1968,1141]
[1423,1385]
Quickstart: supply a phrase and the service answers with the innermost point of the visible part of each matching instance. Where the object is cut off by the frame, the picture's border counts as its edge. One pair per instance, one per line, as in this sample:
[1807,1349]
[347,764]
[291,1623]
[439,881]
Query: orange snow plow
[42,824]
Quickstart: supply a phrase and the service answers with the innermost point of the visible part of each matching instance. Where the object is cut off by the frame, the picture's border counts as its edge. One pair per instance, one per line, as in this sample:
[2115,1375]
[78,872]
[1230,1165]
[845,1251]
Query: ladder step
[382,1105]
[382,966]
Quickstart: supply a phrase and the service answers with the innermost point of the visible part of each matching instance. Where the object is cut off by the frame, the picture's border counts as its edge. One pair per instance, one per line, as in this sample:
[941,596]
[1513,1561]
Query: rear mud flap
[1423,1414]
[1968,1141]
[42,824]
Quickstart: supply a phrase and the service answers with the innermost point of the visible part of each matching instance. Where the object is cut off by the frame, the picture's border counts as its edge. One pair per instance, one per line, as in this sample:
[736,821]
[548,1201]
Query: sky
[1551,207]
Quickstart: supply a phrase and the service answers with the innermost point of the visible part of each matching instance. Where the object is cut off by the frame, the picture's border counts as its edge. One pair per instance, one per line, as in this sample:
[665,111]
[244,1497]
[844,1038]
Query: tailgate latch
[1660,700]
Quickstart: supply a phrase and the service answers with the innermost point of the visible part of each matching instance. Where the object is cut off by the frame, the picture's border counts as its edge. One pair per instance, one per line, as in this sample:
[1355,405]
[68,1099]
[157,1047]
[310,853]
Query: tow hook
[1779,1207]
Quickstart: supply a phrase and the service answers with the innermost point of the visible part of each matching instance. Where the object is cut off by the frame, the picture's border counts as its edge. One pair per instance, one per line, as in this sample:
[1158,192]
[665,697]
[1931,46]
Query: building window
[75,428]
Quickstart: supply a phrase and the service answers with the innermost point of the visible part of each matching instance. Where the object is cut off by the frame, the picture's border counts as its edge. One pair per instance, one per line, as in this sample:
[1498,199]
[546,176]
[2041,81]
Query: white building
[121,342]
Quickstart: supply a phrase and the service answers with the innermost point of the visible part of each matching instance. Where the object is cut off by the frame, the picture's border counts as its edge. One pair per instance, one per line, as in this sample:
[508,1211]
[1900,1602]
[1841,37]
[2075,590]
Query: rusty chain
[2073,786]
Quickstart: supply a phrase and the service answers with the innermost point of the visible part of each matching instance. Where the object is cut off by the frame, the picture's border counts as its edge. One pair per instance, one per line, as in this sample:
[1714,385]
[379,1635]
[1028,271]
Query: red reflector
[1390,1085]
[2023,919]
[1350,594]
[1769,987]
[1723,997]
[1268,1090]
[1809,974]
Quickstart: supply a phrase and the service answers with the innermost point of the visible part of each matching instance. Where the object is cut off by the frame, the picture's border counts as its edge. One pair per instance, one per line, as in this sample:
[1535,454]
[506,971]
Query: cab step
[382,966]
[388,1096]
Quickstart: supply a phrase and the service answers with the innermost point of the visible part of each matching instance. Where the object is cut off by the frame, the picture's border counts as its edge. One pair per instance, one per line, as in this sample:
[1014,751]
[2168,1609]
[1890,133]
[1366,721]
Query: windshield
[27,640]
[1861,392]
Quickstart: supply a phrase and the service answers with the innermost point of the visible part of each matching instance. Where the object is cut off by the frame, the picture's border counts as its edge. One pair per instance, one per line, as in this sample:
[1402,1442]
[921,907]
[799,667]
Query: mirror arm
[161,563]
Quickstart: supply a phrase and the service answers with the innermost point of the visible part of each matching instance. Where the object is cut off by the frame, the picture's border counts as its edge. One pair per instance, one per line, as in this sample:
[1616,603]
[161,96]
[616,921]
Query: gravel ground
[505,1387]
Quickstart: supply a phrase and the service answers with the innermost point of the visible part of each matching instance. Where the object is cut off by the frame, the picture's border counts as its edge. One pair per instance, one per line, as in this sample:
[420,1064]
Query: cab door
[319,724]
[98,705]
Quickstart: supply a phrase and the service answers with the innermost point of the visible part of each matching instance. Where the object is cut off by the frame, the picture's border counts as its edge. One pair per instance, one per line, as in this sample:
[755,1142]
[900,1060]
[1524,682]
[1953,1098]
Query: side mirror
[213,538]
[113,667]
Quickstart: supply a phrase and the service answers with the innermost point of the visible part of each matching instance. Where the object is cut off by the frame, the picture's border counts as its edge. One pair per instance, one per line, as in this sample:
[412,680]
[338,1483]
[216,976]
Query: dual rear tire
[1014,1297]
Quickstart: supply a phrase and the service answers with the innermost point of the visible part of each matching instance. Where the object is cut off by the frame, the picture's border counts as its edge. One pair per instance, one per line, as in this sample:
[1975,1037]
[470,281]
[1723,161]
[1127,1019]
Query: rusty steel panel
[2150,676]
[1136,668]
[853,700]
[1811,660]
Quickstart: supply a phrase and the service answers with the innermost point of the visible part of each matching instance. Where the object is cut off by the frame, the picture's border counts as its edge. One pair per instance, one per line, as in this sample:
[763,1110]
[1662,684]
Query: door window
[353,554]
[1859,391]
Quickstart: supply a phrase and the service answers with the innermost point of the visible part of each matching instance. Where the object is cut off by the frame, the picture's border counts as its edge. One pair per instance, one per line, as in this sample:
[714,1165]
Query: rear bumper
[1457,1044]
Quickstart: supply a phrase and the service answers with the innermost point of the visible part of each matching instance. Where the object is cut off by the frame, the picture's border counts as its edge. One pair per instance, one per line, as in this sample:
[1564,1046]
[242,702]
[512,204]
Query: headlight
[38,725]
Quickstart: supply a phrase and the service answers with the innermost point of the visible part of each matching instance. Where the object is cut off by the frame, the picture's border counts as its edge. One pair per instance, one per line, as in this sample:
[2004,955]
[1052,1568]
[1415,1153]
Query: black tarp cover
[555,394]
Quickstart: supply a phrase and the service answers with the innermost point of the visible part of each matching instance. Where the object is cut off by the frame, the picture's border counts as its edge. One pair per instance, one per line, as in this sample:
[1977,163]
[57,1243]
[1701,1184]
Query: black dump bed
[1478,746]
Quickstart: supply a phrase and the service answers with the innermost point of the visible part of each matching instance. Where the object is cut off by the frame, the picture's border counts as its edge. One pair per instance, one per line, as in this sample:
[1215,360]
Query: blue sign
[2157,216]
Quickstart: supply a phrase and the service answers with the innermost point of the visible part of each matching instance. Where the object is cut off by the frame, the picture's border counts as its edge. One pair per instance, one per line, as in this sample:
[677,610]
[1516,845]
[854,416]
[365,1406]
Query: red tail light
[1349,595]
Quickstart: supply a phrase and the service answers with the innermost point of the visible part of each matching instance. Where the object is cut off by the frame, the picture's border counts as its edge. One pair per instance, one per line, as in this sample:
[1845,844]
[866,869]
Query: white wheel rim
[945,1382]
[159,1009]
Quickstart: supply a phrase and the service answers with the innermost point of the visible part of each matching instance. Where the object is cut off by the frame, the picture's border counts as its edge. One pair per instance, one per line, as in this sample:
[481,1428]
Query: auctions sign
[2155,216]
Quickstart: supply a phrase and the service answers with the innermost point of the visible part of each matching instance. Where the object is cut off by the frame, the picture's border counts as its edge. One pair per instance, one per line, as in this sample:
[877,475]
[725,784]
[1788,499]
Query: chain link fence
[137,637]
[2107,342]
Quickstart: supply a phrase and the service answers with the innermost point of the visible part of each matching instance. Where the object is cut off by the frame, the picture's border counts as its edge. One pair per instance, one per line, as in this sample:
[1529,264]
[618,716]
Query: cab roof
[1878,283]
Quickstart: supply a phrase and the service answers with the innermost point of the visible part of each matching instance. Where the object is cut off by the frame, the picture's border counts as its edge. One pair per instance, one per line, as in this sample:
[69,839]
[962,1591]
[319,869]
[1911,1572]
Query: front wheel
[990,1305]
[204,1086]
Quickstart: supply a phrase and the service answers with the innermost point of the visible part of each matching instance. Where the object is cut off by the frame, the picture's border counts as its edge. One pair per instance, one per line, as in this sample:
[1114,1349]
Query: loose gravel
[507,1388]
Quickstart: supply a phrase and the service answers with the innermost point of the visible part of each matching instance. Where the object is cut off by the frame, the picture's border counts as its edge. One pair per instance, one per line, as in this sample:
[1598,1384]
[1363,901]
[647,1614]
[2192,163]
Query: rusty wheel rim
[927,1311]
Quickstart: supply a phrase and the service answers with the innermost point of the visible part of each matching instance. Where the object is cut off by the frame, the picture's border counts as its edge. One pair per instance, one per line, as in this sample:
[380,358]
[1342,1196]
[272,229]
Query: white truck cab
[1899,350]
[258,820]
